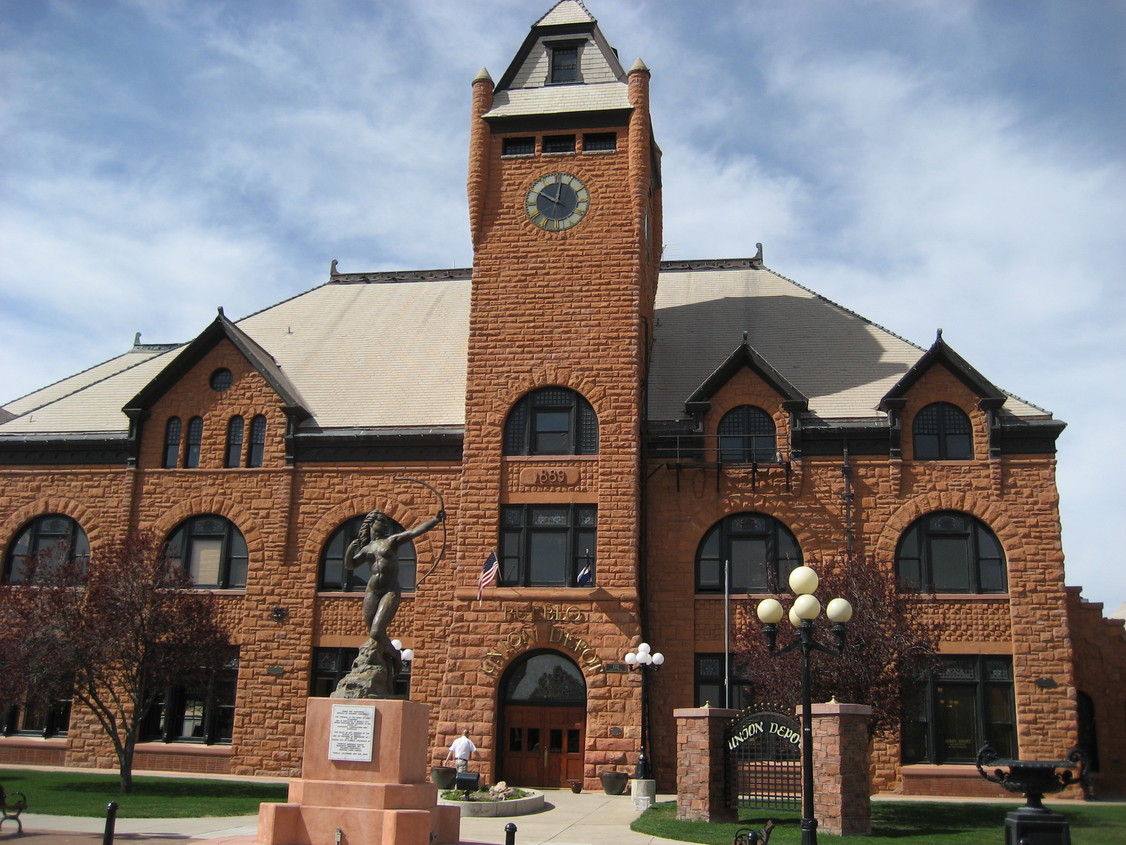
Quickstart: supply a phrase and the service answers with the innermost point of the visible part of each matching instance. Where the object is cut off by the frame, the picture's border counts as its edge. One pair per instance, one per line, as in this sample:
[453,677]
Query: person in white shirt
[461,749]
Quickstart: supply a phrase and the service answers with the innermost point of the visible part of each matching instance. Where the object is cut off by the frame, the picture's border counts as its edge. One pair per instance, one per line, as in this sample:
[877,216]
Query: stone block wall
[1100,672]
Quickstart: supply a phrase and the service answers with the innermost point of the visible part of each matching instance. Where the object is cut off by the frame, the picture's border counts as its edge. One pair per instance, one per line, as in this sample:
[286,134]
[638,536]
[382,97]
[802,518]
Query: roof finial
[332,268]
[744,337]
[221,314]
[757,260]
[137,339]
[938,336]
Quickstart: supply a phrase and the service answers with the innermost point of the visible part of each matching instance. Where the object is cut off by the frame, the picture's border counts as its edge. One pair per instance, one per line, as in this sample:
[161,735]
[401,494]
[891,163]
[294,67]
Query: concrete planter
[531,803]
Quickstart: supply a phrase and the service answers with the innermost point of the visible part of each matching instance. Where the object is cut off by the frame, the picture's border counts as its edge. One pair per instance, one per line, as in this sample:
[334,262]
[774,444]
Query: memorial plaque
[351,732]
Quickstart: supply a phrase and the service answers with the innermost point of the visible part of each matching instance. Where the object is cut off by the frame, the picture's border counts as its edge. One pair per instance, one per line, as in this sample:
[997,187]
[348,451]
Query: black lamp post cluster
[644,659]
[806,608]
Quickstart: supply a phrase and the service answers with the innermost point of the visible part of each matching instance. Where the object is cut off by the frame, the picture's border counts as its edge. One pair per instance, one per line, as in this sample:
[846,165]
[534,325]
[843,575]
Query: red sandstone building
[614,428]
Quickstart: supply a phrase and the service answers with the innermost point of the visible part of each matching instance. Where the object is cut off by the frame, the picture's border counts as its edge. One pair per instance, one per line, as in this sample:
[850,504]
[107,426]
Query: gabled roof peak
[940,352]
[745,356]
[566,12]
[193,353]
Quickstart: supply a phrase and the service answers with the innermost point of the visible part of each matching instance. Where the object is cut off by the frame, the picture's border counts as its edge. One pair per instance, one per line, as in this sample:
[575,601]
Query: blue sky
[954,165]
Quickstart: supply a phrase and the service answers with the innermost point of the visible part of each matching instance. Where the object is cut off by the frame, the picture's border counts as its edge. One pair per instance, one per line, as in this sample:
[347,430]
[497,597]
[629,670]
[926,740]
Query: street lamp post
[806,608]
[645,660]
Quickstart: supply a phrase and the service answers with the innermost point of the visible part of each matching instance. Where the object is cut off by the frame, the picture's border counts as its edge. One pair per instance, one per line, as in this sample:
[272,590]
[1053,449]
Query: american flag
[488,574]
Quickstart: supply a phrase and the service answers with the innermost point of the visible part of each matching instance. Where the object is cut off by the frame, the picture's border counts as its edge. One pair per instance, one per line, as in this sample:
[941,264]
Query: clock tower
[565,217]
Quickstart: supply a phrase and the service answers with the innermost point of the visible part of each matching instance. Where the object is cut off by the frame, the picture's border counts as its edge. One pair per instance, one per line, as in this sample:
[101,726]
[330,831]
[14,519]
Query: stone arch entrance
[542,727]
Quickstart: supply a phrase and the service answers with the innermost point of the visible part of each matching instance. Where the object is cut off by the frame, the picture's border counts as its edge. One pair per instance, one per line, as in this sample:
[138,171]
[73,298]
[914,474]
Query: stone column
[841,787]
[700,764]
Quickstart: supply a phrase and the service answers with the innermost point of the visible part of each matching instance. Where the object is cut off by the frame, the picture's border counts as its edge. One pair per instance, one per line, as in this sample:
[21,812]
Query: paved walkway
[588,818]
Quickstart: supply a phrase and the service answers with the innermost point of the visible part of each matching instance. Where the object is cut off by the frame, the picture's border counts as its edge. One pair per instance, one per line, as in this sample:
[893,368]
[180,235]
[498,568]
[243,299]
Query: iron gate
[763,761]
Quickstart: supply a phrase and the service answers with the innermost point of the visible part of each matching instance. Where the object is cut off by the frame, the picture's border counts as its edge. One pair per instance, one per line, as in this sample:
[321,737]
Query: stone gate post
[700,758]
[841,789]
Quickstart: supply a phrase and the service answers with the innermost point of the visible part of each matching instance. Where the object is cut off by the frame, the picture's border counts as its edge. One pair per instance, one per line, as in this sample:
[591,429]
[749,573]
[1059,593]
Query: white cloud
[926,164]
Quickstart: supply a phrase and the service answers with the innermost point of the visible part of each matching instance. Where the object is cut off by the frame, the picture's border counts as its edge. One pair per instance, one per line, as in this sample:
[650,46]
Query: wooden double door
[543,745]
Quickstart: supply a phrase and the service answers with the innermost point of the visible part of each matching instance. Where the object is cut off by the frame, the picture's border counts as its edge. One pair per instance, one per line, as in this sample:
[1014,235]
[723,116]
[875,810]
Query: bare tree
[115,633]
[890,645]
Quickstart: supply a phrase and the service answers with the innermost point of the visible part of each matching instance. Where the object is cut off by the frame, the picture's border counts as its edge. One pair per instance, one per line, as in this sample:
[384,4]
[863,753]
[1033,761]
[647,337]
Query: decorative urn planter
[443,776]
[614,783]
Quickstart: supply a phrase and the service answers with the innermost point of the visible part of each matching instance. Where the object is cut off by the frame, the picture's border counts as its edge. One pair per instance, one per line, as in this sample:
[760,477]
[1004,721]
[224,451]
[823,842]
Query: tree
[890,645]
[115,633]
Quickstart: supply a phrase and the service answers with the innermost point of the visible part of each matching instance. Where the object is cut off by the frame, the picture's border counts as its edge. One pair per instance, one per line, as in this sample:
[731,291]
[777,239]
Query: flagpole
[727,633]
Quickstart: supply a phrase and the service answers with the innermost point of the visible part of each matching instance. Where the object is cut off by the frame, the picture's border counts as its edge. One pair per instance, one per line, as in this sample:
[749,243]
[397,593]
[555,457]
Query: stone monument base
[383,800]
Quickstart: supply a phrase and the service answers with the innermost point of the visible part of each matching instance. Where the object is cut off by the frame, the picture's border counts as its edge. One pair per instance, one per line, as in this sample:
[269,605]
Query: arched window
[942,432]
[195,440]
[43,546]
[551,421]
[213,551]
[544,677]
[747,435]
[334,576]
[257,441]
[760,550]
[950,552]
[172,431]
[234,442]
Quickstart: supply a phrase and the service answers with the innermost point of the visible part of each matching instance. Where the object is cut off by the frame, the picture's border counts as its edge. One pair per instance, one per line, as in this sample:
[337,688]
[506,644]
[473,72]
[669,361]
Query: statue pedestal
[384,799]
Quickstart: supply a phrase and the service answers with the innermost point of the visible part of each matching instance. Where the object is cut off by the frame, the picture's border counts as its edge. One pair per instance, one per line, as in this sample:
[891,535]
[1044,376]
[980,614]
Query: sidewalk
[586,818]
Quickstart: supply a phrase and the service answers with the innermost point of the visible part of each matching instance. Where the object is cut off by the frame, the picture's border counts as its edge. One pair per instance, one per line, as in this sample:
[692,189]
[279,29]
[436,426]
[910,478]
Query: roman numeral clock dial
[557,201]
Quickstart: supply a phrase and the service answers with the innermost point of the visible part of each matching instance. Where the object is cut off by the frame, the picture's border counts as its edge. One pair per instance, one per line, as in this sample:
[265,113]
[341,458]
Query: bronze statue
[374,670]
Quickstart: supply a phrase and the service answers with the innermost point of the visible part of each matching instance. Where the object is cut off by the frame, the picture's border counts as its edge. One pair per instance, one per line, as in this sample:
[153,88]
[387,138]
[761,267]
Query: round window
[221,379]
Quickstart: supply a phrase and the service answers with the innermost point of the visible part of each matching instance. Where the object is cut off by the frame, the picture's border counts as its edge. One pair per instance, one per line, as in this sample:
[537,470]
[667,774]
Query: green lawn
[898,823]
[73,793]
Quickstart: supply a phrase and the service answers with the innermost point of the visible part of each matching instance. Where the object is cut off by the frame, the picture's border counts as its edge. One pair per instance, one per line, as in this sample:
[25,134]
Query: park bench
[12,806]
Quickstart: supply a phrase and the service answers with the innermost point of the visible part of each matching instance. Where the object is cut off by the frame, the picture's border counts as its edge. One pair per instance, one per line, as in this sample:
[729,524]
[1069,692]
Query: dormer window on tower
[564,62]
[559,144]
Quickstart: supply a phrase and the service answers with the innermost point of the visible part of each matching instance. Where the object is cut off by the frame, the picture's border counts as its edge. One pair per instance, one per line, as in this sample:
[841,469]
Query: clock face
[557,201]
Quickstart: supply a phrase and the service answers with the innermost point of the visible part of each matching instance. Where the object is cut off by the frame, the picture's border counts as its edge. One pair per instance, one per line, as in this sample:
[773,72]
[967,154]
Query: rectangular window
[559,144]
[330,665]
[951,714]
[202,712]
[547,546]
[564,64]
[600,142]
[518,146]
[36,719]
[709,684]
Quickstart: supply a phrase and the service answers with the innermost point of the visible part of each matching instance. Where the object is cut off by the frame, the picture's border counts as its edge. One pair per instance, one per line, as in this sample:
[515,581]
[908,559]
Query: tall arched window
[760,550]
[942,432]
[195,441]
[213,551]
[234,442]
[257,441]
[551,421]
[172,430]
[950,552]
[747,435]
[333,575]
[43,546]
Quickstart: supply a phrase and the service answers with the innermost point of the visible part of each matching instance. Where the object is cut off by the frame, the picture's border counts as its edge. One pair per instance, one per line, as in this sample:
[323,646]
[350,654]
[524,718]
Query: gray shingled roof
[389,351]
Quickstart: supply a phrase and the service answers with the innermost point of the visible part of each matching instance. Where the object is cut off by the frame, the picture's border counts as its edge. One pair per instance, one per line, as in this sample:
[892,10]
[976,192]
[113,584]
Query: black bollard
[111,817]
[510,834]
